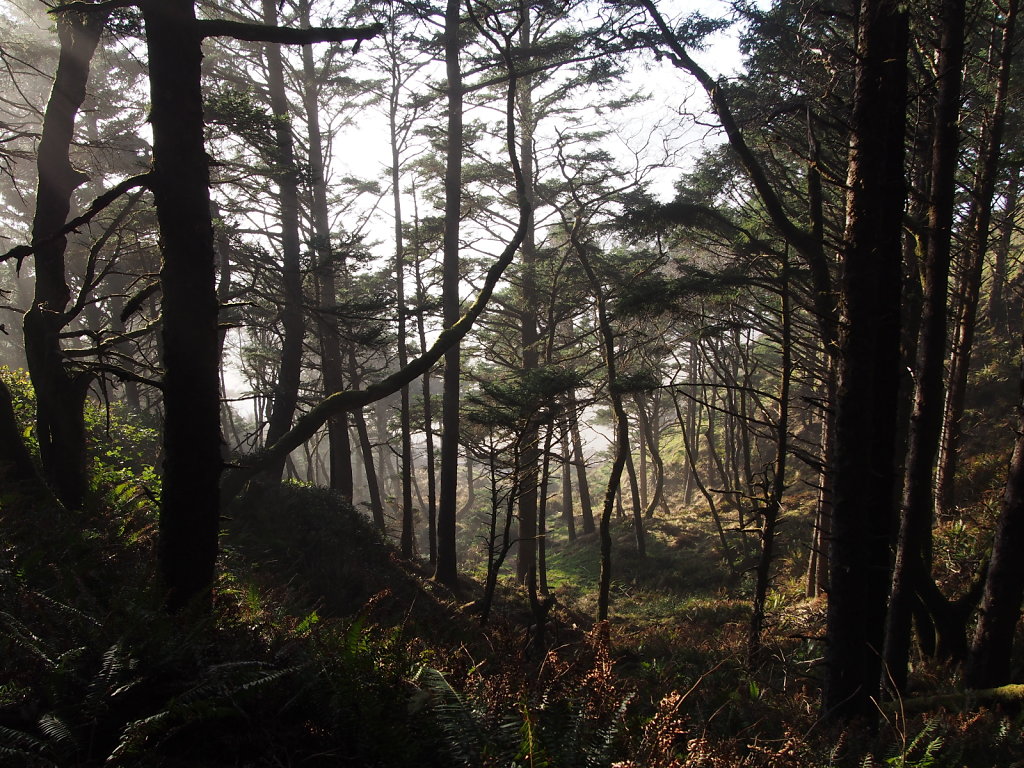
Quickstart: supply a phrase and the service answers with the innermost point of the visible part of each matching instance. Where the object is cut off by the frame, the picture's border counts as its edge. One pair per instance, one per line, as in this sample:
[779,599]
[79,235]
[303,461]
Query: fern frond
[459,723]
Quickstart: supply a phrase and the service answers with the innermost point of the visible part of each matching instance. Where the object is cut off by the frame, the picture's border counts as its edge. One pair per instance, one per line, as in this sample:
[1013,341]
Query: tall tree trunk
[446,570]
[988,664]
[372,479]
[529,337]
[542,508]
[638,510]
[567,510]
[863,511]
[338,442]
[773,500]
[619,414]
[286,388]
[428,425]
[979,223]
[189,513]
[997,304]
[408,533]
[649,436]
[728,553]
[913,563]
[582,484]
[60,390]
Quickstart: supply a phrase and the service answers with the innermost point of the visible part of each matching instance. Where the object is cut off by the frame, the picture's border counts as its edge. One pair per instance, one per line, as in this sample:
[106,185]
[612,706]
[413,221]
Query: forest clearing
[633,383]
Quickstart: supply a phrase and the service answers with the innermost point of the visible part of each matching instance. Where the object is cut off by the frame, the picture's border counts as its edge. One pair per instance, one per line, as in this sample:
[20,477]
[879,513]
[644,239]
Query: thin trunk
[567,511]
[405,417]
[446,570]
[969,290]
[913,564]
[428,425]
[638,510]
[582,484]
[988,664]
[286,388]
[339,446]
[728,554]
[998,316]
[619,414]
[773,501]
[372,480]
[542,508]
[529,336]
[649,437]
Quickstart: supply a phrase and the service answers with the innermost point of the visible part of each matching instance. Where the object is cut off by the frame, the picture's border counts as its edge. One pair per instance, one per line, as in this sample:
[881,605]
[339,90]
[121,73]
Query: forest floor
[323,644]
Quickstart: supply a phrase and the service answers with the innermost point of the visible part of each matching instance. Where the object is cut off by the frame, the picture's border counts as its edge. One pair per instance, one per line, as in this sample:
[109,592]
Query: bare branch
[83,7]
[261,33]
[98,205]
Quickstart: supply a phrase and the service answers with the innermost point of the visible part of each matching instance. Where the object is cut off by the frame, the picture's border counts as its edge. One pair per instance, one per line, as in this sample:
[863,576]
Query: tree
[912,565]
[869,357]
[446,568]
[60,388]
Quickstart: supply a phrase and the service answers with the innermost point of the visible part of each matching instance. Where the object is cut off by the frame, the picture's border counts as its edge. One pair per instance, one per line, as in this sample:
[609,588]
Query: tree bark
[773,501]
[913,562]
[582,484]
[988,663]
[446,570]
[866,408]
[286,388]
[338,441]
[60,389]
[189,514]
[970,282]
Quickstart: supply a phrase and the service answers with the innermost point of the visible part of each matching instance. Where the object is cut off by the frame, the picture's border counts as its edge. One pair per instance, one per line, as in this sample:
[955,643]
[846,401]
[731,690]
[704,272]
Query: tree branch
[261,33]
[84,7]
[341,402]
[98,205]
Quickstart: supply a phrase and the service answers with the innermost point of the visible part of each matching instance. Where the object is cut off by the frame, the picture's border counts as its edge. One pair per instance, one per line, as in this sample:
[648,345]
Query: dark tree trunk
[60,390]
[582,484]
[189,514]
[988,664]
[970,282]
[998,313]
[372,479]
[619,415]
[567,510]
[446,570]
[773,496]
[912,561]
[542,508]
[728,554]
[530,456]
[869,364]
[338,442]
[649,431]
[286,388]
[634,495]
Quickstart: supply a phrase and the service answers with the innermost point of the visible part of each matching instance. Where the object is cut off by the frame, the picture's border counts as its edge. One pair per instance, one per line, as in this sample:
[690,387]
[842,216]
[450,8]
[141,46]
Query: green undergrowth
[324,648]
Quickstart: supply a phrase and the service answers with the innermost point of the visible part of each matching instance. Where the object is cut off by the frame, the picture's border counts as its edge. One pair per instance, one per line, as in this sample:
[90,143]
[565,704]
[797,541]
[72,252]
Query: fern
[459,723]
[20,748]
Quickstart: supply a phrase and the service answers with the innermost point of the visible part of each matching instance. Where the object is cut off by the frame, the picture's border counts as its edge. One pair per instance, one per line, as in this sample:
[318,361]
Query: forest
[597,383]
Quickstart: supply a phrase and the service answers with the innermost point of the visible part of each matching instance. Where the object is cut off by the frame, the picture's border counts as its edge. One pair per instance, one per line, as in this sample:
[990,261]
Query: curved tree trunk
[286,388]
[60,390]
